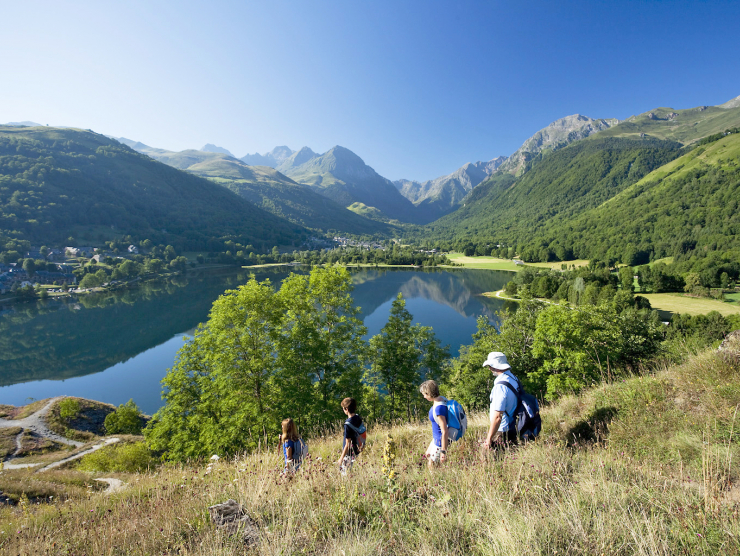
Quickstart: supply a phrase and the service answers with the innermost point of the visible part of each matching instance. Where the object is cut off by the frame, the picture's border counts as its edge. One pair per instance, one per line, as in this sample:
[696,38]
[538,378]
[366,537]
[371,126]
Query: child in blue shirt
[292,446]
[437,451]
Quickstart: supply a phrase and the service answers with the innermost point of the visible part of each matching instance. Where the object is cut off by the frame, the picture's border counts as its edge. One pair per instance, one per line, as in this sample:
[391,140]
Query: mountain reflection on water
[118,345]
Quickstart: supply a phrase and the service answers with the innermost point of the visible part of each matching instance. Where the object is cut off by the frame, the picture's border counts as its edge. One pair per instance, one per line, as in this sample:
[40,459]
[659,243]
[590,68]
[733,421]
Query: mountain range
[268,189]
[554,196]
[59,183]
[602,195]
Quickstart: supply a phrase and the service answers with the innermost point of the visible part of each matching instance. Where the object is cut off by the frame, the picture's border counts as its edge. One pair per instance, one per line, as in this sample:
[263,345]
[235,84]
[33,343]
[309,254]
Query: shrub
[127,458]
[68,409]
[126,419]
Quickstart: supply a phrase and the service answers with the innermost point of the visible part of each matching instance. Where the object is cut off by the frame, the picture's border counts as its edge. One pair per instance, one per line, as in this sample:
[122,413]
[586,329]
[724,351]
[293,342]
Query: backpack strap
[351,426]
[517,393]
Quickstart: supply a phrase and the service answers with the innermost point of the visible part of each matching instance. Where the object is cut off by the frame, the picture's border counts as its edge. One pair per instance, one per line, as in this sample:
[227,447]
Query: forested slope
[690,203]
[276,193]
[557,187]
[55,182]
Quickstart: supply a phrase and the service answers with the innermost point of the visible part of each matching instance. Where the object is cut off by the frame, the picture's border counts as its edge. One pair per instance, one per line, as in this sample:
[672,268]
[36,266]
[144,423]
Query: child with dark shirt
[353,435]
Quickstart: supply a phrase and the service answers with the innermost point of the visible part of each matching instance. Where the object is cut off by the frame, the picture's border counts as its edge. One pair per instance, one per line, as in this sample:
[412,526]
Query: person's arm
[345,450]
[289,453]
[493,429]
[442,422]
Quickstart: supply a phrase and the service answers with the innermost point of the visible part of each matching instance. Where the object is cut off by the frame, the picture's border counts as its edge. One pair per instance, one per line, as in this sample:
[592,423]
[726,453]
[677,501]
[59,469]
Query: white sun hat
[497,360]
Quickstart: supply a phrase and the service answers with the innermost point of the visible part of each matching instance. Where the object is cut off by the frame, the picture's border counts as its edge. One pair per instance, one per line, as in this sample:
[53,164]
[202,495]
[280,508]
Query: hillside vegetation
[270,190]
[685,126]
[688,204]
[645,465]
[561,185]
[57,183]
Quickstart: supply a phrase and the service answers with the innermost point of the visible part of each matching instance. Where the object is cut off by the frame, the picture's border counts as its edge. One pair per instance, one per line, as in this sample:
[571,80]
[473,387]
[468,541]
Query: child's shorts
[435,454]
[346,464]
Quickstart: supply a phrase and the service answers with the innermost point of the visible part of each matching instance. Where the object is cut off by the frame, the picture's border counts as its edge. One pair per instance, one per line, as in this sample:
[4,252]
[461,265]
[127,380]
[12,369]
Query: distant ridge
[733,103]
[23,124]
[442,195]
[211,148]
[273,159]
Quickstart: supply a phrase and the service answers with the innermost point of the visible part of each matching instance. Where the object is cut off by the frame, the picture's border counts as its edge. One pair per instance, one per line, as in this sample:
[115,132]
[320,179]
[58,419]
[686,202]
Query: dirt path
[114,485]
[78,455]
[36,423]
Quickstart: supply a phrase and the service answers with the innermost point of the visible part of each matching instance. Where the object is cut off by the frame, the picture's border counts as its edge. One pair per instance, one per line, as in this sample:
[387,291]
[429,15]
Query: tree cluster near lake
[265,355]
[393,254]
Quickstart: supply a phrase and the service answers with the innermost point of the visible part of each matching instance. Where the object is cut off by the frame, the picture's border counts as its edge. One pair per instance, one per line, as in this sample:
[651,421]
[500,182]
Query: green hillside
[56,183]
[559,186]
[689,203]
[684,126]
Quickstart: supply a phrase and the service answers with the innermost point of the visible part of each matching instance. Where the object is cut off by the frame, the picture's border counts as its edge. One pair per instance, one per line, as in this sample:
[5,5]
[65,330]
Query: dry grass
[679,303]
[21,412]
[7,441]
[641,466]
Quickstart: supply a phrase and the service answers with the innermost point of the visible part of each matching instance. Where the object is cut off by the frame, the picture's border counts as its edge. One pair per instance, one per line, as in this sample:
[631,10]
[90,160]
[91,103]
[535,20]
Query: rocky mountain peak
[733,103]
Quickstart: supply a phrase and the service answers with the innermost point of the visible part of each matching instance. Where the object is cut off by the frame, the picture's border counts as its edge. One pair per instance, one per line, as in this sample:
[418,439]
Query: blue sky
[415,88]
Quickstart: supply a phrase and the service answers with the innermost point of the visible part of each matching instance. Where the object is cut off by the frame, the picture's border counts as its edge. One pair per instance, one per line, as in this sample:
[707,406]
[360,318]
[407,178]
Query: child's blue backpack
[526,416]
[457,421]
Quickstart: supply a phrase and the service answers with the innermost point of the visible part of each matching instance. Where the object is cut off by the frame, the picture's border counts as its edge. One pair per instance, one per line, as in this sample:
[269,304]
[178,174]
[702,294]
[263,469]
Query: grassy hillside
[685,126]
[55,182]
[644,465]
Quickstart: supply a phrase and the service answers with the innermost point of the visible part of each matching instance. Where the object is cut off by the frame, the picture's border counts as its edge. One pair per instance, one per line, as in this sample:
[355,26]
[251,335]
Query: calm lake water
[117,346]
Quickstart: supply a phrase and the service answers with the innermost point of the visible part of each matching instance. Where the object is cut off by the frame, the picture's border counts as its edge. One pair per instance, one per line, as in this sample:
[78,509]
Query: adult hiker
[502,431]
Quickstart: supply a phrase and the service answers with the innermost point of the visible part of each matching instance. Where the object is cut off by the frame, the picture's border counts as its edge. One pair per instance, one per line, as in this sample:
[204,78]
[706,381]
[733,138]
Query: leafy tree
[30,267]
[262,356]
[68,409]
[127,419]
[403,356]
[626,278]
[90,280]
[322,334]
[579,346]
[169,253]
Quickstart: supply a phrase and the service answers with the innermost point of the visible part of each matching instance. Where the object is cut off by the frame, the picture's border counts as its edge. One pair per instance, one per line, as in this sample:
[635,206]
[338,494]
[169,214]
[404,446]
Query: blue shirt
[503,399]
[436,410]
[286,446]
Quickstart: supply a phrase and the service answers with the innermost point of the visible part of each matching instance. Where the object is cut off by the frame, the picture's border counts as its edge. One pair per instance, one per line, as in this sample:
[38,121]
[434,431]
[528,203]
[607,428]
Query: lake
[118,345]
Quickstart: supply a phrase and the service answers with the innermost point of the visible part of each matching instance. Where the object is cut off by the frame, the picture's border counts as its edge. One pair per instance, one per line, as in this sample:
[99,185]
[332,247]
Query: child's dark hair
[350,404]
